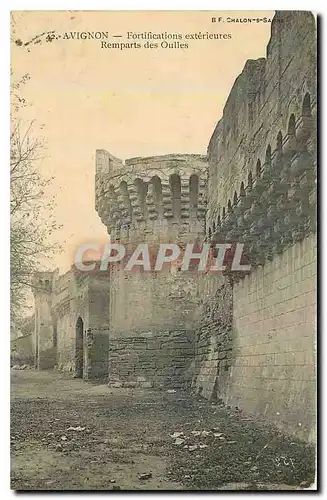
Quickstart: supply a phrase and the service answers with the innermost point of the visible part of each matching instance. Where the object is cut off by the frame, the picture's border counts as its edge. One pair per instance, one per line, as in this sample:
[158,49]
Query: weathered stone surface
[59,302]
[246,339]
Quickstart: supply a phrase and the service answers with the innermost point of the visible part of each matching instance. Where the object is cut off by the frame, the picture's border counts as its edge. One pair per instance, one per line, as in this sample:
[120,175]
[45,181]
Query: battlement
[106,163]
[262,165]
[167,160]
[109,166]
[270,113]
[137,195]
[43,281]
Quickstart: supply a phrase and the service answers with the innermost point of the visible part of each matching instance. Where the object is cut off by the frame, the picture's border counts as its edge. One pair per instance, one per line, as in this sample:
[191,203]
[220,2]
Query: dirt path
[68,434]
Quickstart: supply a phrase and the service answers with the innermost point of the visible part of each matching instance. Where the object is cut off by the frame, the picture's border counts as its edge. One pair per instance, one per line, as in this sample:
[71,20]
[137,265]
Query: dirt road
[68,434]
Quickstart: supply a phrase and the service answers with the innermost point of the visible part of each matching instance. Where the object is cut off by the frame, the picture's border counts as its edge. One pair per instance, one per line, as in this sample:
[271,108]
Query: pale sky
[135,102]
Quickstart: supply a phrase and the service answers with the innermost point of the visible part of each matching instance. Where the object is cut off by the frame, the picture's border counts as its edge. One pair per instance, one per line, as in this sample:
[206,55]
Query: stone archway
[79,348]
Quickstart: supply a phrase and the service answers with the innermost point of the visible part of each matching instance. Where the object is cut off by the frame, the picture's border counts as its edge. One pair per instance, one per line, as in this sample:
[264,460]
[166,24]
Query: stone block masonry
[256,343]
[246,340]
[162,359]
[71,323]
[213,349]
[152,200]
[262,191]
[274,340]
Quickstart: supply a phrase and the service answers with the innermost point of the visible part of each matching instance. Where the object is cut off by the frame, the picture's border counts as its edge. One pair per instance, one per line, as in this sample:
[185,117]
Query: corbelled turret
[155,198]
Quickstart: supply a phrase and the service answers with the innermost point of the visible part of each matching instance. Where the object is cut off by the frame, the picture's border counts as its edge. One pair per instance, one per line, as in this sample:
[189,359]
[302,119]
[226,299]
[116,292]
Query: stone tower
[152,200]
[45,335]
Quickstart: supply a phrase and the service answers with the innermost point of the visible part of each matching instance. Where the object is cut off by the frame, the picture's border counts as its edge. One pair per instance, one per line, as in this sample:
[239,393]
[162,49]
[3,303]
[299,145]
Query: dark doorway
[79,348]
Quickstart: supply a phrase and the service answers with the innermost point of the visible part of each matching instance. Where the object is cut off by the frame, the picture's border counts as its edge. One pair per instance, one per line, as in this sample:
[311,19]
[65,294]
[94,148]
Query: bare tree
[31,210]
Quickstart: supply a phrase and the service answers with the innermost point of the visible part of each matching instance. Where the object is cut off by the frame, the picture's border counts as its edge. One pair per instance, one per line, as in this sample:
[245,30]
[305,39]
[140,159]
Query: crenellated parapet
[159,199]
[270,97]
[277,206]
[262,154]
[44,336]
[144,196]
